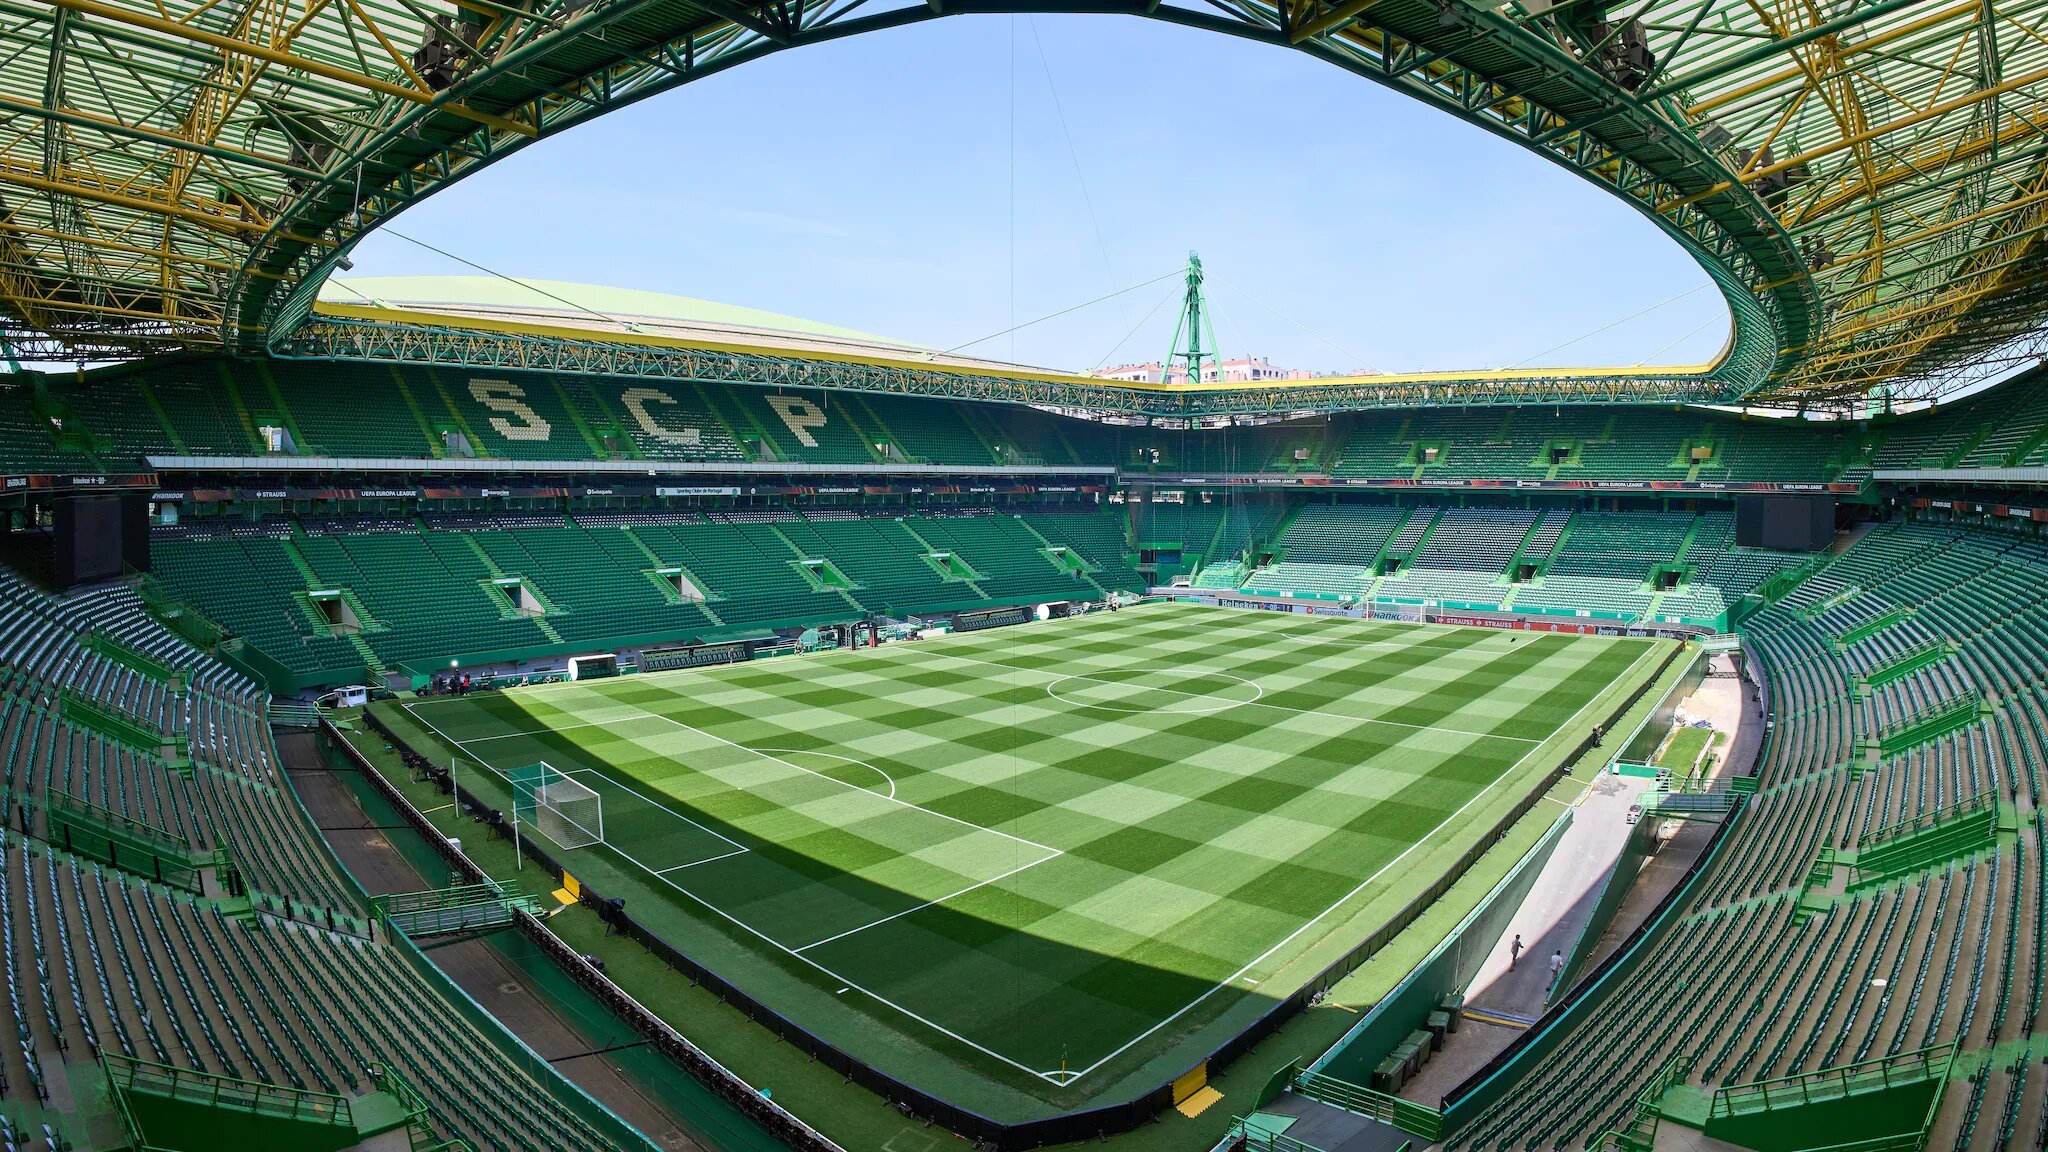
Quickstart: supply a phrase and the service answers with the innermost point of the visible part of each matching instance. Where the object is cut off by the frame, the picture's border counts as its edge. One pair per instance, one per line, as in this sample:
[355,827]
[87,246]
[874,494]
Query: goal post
[560,807]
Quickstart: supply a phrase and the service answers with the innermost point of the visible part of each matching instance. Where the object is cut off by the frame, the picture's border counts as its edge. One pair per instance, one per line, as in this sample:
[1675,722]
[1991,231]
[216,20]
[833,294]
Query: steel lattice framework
[1863,179]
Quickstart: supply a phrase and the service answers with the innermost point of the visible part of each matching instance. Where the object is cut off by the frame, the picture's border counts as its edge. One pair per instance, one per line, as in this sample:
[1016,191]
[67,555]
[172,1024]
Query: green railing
[113,648]
[464,908]
[108,721]
[181,617]
[1873,626]
[126,843]
[1820,607]
[1779,586]
[1902,1142]
[208,1090]
[1873,1075]
[1913,660]
[1410,1117]
[112,825]
[419,1115]
[1985,803]
[1932,724]
[1255,1139]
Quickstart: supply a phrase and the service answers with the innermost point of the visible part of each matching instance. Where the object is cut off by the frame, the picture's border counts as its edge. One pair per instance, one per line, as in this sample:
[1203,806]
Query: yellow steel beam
[151,135]
[321,68]
[1931,232]
[1343,13]
[27,177]
[1919,166]
[1930,112]
[1766,83]
[127,249]
[1893,318]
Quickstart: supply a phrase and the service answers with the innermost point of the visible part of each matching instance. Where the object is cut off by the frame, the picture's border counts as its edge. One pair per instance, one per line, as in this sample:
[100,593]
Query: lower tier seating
[279,979]
[420,592]
[1750,984]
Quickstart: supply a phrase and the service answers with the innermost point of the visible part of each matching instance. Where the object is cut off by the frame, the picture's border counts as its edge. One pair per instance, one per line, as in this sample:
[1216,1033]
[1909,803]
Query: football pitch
[1060,845]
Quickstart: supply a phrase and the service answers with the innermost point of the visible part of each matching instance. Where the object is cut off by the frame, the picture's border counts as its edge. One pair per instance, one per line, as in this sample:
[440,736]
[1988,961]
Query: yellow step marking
[1199,1103]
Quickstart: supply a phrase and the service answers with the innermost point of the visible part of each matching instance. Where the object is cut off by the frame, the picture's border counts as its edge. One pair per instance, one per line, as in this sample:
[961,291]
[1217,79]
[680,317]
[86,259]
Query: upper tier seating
[112,420]
[1588,444]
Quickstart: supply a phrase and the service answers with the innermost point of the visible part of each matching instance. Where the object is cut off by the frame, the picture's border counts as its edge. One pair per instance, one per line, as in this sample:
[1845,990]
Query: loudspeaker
[1791,523]
[98,537]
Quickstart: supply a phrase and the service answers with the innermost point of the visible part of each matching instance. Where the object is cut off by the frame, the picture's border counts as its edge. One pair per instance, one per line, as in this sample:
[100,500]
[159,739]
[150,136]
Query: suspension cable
[1061,312]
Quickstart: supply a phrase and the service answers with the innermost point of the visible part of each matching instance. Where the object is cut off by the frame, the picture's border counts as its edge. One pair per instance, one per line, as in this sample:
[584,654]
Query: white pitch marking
[694,863]
[1258,690]
[844,759]
[1417,843]
[1259,703]
[606,777]
[770,940]
[1061,1076]
[519,732]
[927,904]
[820,775]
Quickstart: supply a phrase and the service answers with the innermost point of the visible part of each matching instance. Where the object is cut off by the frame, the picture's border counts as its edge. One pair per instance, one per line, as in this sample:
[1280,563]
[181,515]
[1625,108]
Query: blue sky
[920,184]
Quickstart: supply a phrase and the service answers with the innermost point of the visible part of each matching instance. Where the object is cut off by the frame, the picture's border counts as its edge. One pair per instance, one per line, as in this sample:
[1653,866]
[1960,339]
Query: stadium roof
[1864,180]
[600,309]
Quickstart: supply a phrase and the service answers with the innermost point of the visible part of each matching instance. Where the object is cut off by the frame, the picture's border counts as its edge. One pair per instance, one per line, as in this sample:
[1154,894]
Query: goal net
[562,808]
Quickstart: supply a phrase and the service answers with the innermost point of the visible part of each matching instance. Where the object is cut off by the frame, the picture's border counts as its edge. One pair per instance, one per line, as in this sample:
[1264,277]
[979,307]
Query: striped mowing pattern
[1057,843]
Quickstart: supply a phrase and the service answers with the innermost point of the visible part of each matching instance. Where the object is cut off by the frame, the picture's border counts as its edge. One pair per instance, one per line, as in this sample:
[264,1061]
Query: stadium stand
[1764,977]
[1605,560]
[1330,548]
[421,592]
[1491,558]
[1905,692]
[201,407]
[275,977]
[1006,556]
[1465,558]
[1098,537]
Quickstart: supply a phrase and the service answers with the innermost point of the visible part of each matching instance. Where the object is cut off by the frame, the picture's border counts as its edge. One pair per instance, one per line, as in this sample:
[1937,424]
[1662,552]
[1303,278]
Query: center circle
[1155,688]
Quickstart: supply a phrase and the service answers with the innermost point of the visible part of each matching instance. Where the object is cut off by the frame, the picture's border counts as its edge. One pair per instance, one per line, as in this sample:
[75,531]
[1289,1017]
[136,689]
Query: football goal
[563,809]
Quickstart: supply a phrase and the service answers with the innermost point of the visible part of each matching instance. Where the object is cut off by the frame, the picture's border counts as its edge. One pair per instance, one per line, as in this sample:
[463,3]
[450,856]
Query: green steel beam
[1628,147]
[1891,116]
[332,338]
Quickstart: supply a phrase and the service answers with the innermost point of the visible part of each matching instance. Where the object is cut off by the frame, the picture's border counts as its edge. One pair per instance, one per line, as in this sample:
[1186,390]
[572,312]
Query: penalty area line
[849,985]
[601,775]
[889,797]
[1368,881]
[691,864]
[1056,853]
[770,941]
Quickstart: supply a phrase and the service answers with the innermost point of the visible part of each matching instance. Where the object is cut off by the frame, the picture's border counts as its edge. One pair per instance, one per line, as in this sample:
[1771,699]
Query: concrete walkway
[1562,898]
[1549,920]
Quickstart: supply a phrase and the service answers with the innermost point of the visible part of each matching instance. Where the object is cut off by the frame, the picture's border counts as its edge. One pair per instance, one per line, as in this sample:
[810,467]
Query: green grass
[1050,854]
[1683,750]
